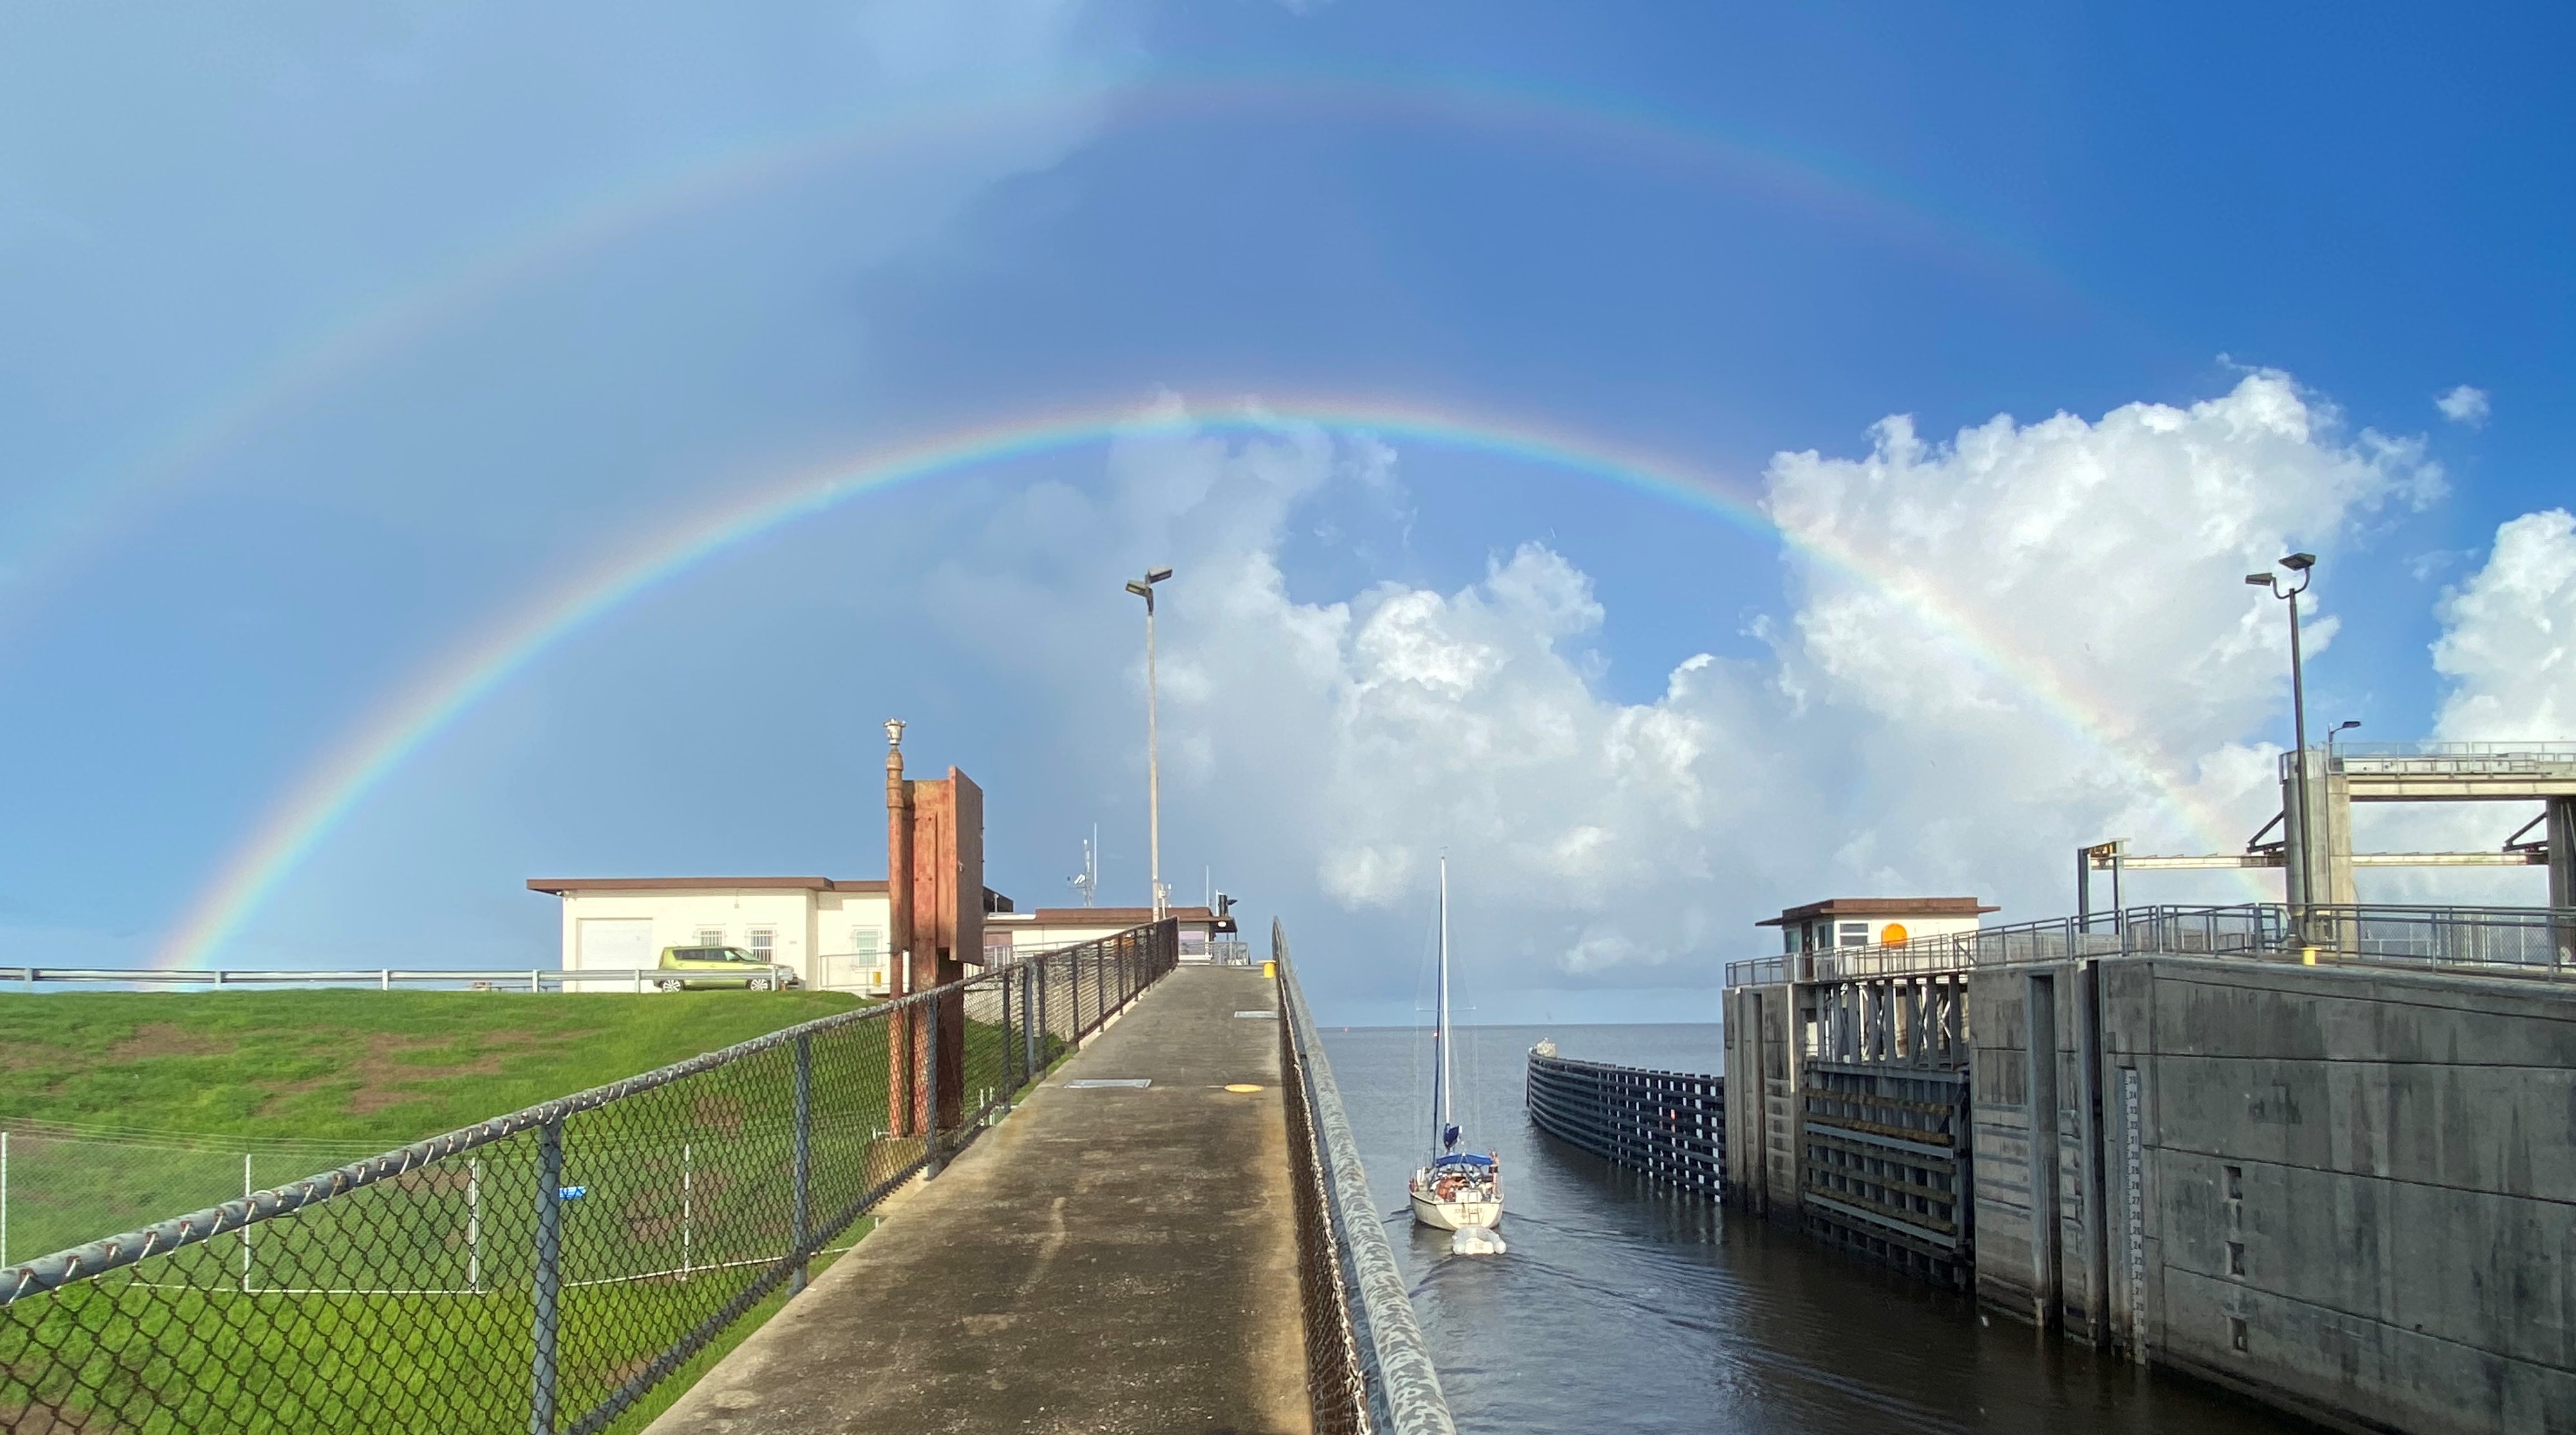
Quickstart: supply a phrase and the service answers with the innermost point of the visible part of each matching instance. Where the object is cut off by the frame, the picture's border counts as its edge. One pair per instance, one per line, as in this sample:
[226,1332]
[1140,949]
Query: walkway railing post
[1028,1022]
[1010,1046]
[1076,963]
[928,1077]
[549,1276]
[804,1179]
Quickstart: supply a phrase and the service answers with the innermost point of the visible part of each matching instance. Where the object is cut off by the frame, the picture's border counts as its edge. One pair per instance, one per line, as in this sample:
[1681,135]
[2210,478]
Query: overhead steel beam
[2271,857]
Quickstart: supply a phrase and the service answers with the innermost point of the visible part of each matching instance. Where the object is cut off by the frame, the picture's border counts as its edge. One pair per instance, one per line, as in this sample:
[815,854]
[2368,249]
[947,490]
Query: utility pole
[1153,762]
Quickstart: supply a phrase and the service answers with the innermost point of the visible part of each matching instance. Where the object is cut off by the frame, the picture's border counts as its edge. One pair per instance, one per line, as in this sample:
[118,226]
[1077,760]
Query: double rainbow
[450,687]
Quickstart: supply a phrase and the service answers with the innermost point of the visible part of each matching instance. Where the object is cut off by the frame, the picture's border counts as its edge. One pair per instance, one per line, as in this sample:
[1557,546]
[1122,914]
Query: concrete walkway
[1104,1260]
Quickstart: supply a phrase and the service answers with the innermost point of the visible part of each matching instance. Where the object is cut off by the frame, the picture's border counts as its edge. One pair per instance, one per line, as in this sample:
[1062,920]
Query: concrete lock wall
[2350,1192]
[1764,1144]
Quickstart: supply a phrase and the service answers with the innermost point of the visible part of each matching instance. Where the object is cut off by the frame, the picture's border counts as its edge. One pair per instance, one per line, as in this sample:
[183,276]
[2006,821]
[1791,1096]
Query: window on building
[710,936]
[867,969]
[1854,934]
[764,944]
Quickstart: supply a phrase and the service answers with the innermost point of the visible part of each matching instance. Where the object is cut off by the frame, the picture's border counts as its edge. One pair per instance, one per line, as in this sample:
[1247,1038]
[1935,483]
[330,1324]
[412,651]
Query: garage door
[616,942]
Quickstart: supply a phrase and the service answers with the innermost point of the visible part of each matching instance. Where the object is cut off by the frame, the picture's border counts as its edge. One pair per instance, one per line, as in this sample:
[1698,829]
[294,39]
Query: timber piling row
[1669,1126]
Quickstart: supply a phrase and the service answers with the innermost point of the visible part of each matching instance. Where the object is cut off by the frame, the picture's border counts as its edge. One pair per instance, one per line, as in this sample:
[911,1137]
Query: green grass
[366,1067]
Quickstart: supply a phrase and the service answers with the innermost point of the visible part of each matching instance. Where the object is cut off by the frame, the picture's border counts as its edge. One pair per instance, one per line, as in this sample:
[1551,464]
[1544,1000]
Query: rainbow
[301,373]
[448,688]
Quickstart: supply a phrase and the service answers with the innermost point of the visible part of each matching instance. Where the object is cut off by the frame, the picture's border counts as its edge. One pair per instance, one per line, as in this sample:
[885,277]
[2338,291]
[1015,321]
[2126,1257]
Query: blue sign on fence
[571,1193]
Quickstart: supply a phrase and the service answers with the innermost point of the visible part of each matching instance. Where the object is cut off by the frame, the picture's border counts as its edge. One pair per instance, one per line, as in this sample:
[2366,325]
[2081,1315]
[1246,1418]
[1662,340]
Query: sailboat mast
[1448,1094]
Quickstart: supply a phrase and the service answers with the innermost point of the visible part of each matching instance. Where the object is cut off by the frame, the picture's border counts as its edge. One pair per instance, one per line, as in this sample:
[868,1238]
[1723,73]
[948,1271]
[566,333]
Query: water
[1622,1308]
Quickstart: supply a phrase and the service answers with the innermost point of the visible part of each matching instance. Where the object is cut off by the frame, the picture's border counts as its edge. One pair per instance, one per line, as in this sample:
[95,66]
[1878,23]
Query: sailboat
[1455,1190]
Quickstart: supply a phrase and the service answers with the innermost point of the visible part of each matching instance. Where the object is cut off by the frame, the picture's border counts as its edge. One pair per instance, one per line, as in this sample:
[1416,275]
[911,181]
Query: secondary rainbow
[303,371]
[450,687]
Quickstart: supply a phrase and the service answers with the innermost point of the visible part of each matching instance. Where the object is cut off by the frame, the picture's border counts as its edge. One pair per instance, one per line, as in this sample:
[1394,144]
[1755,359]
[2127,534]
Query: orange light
[1892,932]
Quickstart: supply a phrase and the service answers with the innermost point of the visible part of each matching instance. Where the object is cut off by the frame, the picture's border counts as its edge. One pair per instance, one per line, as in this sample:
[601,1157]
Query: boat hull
[1442,1215]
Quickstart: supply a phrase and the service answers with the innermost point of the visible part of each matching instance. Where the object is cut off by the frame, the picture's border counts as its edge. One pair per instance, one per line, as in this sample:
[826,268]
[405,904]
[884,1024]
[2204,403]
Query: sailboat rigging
[1455,1190]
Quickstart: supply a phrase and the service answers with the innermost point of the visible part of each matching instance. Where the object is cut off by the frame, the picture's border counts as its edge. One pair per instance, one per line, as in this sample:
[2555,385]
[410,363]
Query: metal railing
[565,1268]
[2442,759]
[1367,1367]
[2533,942]
[531,979]
[1668,1125]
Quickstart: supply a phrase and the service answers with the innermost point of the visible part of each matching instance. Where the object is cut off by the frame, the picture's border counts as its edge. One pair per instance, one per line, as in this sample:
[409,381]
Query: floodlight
[1157,575]
[1139,589]
[2299,562]
[2259,580]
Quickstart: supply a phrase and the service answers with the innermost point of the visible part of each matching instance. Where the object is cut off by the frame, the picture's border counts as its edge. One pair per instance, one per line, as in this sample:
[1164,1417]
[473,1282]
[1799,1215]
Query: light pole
[1153,762]
[2303,564]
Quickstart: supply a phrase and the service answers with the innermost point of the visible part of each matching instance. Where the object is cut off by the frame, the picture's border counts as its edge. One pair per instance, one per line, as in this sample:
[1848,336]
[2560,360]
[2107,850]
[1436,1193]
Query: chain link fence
[561,1270]
[1367,1369]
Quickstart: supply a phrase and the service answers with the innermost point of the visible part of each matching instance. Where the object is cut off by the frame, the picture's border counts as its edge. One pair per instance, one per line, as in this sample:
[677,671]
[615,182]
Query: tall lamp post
[2304,565]
[1153,763]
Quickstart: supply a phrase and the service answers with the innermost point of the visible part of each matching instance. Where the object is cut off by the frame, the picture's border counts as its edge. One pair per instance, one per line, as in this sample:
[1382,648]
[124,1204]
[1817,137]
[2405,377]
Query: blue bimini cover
[1463,1159]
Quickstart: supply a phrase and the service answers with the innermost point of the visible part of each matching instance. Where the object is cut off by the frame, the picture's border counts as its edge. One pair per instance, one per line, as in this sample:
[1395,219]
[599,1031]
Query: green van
[714,968]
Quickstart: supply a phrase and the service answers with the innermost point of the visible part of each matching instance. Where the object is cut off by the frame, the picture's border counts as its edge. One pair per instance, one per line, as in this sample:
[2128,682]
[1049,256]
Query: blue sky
[330,341]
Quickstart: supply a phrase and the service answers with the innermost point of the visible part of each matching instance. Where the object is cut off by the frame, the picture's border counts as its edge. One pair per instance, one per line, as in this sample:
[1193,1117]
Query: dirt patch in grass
[44,1420]
[168,1038]
[390,1073]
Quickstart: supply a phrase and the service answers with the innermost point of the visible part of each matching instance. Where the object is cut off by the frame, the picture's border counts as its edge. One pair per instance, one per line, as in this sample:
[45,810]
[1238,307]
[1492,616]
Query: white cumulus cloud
[1990,648]
[2463,405]
[2508,644]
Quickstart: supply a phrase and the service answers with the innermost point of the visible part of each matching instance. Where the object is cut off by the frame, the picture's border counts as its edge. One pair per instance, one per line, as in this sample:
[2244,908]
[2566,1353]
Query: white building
[1872,921]
[830,931]
[1203,932]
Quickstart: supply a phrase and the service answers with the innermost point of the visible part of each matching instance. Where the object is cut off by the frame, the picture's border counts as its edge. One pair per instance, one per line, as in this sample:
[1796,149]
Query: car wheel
[760,984]
[668,984]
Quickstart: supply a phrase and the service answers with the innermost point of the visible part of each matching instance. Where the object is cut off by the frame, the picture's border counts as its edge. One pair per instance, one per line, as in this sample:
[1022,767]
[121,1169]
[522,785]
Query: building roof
[1118,917]
[1880,907]
[561,885]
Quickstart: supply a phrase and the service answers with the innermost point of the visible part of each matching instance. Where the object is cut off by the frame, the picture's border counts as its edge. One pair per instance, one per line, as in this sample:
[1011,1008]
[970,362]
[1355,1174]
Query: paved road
[1104,1260]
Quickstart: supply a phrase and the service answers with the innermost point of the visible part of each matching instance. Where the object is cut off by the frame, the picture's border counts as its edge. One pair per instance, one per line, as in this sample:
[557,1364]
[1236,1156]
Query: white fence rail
[526,979]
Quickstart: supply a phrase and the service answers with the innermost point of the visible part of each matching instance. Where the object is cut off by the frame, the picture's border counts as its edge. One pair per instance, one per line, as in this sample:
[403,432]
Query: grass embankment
[365,1067]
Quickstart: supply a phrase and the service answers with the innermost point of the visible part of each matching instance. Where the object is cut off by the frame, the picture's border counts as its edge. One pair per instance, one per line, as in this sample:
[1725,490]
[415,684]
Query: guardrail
[1367,1367]
[563,1269]
[2441,759]
[534,979]
[1668,1125]
[2529,942]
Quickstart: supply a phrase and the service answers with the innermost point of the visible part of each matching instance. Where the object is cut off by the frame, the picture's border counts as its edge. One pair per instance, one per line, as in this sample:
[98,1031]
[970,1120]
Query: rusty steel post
[899,1043]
